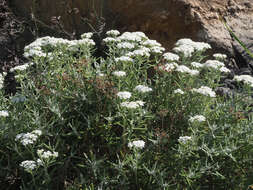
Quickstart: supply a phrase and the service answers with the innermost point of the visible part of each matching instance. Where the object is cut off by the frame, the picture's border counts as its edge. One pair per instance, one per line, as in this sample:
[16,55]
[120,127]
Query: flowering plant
[137,118]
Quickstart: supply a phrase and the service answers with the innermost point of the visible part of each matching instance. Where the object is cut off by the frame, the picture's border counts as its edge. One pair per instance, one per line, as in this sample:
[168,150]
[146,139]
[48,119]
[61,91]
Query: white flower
[219,56]
[193,72]
[157,49]
[87,35]
[184,41]
[36,48]
[137,144]
[124,59]
[37,132]
[28,138]
[47,154]
[39,162]
[86,41]
[124,95]
[130,54]
[198,46]
[119,73]
[196,64]
[215,64]
[110,39]
[184,49]
[133,36]
[141,52]
[4,113]
[184,139]
[224,70]
[178,91]
[2,80]
[125,45]
[21,67]
[28,165]
[151,43]
[132,105]
[184,69]
[201,46]
[205,91]
[199,118]
[244,78]
[169,66]
[142,88]
[170,56]
[112,33]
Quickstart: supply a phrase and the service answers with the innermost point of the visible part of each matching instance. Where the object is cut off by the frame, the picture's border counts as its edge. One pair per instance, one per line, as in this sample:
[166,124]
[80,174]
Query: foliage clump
[138,118]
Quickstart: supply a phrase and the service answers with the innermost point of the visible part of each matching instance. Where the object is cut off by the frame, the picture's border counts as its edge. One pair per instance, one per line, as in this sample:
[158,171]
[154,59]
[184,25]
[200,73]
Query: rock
[163,20]
[222,91]
[245,71]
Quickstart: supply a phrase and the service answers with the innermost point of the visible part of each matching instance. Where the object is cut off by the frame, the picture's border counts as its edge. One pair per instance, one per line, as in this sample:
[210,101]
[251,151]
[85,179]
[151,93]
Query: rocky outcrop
[163,20]
[169,20]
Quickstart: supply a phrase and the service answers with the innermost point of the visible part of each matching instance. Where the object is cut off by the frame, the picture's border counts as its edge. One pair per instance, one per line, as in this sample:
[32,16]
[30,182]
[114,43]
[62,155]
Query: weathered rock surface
[164,20]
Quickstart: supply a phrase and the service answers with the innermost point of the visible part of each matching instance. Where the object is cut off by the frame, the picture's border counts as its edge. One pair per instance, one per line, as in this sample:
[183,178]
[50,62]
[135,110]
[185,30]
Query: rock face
[163,20]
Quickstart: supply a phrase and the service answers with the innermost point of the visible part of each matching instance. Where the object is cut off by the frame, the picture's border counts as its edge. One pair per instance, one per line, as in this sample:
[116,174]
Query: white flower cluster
[170,56]
[197,64]
[4,113]
[133,36]
[157,49]
[36,47]
[123,59]
[151,43]
[168,67]
[113,33]
[184,139]
[154,46]
[119,73]
[187,46]
[125,45]
[244,78]
[215,64]
[142,88]
[140,144]
[87,35]
[219,56]
[186,50]
[143,52]
[205,91]
[46,154]
[110,40]
[1,81]
[198,118]
[29,165]
[224,70]
[124,95]
[178,91]
[132,105]
[21,67]
[28,138]
[184,69]
[138,42]
[130,37]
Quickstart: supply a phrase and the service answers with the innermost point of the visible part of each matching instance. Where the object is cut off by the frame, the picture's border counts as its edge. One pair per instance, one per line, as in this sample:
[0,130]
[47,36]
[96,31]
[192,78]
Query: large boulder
[164,20]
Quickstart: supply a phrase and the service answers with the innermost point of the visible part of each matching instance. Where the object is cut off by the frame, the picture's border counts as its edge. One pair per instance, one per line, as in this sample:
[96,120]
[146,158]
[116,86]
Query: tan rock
[164,20]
